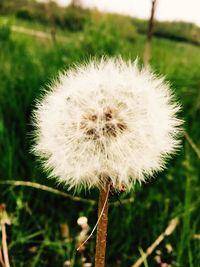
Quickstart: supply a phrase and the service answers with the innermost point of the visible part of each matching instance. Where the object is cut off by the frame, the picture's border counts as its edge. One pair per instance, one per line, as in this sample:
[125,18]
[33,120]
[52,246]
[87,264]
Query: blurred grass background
[27,64]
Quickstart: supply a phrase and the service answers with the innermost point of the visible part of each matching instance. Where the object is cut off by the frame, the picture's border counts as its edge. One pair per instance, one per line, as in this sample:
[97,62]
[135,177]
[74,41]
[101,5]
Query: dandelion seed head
[106,120]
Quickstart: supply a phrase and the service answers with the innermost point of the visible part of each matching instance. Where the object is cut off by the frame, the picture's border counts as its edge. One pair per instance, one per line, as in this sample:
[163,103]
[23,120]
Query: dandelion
[106,124]
[106,119]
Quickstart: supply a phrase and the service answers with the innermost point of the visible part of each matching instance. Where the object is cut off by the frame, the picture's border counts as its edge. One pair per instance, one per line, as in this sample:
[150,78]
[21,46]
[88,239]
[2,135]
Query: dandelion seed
[106,119]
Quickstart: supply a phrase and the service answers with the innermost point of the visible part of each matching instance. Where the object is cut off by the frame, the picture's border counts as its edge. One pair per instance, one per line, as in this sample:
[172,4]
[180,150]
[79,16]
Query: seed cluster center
[107,123]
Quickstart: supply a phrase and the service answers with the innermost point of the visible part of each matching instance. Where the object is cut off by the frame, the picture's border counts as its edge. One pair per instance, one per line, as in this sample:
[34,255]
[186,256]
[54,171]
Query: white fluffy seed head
[106,120]
[82,221]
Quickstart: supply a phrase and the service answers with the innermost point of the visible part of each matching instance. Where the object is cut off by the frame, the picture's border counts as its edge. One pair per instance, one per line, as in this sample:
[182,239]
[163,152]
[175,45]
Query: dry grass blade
[4,245]
[48,189]
[168,231]
[122,202]
[196,236]
[192,144]
[63,194]
[4,219]
[1,258]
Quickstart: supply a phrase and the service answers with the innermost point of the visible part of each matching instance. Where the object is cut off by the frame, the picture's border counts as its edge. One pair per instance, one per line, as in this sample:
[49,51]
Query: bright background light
[185,10]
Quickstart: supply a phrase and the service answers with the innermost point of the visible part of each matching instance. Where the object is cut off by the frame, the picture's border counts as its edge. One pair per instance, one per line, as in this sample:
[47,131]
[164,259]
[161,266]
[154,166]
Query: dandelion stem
[102,226]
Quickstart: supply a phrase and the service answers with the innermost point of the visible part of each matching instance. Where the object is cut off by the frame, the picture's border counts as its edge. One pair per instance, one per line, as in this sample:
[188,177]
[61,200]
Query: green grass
[26,65]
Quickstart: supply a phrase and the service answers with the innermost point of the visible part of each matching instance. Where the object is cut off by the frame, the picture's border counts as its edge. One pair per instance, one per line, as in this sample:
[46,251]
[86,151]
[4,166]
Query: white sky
[185,10]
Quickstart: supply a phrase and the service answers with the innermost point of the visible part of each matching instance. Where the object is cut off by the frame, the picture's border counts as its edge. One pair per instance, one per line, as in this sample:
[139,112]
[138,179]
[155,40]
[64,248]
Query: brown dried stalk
[1,258]
[4,219]
[147,49]
[168,231]
[4,244]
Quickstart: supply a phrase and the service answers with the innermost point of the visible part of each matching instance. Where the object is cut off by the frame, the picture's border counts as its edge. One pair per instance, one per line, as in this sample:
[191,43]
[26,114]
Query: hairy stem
[102,226]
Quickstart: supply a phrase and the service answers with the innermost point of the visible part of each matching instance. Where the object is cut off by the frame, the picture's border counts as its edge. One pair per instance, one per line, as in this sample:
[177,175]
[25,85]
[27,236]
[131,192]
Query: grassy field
[35,238]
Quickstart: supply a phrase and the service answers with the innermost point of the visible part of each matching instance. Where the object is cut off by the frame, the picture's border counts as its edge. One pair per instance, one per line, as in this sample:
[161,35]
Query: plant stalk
[4,245]
[102,226]
[147,49]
